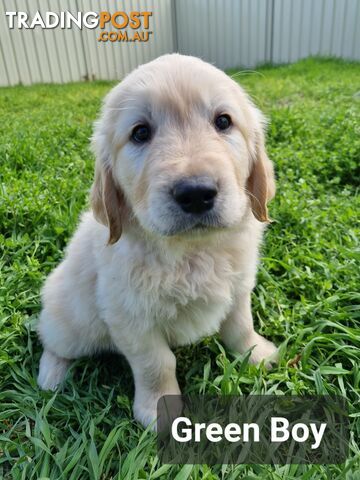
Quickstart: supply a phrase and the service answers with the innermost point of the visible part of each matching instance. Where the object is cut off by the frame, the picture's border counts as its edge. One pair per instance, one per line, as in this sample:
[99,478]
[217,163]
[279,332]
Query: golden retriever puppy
[168,253]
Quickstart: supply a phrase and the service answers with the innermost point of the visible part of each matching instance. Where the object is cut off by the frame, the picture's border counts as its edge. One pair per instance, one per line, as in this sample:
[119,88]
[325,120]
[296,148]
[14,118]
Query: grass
[306,298]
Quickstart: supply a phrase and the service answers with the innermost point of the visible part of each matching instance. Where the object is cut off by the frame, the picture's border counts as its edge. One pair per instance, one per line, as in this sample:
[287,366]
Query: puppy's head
[180,148]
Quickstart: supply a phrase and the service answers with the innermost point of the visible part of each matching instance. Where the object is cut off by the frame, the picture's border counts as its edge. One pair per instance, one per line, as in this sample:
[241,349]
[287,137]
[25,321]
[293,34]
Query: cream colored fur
[138,276]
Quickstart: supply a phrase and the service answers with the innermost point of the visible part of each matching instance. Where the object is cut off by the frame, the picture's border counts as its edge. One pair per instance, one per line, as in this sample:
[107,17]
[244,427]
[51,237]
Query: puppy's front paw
[263,350]
[52,371]
[145,413]
[146,409]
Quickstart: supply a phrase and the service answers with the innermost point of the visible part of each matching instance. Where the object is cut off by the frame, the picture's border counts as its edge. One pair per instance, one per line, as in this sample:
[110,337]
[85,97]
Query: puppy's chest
[187,298]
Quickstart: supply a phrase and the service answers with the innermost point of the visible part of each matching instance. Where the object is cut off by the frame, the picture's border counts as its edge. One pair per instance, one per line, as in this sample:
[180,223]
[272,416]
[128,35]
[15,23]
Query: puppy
[168,253]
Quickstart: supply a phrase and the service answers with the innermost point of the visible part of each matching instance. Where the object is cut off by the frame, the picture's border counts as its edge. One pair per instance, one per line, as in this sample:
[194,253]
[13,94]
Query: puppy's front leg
[154,368]
[237,332]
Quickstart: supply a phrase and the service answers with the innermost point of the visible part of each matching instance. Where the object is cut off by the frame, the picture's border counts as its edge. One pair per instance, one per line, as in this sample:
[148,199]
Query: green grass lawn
[306,297]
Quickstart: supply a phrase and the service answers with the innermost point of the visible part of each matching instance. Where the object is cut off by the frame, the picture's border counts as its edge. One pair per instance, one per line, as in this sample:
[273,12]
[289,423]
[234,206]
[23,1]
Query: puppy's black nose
[195,194]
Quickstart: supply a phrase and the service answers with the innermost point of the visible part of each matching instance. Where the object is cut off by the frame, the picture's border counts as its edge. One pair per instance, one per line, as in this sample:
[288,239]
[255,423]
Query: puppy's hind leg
[52,370]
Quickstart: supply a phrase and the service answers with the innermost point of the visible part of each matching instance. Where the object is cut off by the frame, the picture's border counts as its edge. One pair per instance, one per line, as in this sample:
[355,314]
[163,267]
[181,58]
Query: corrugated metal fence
[228,33]
[232,33]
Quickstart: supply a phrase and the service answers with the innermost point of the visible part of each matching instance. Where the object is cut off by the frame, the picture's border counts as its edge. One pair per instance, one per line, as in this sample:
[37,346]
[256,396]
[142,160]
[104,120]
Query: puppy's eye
[223,122]
[141,133]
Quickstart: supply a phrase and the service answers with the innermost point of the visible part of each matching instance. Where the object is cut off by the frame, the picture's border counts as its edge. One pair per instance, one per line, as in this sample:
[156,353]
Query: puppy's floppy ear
[107,199]
[261,180]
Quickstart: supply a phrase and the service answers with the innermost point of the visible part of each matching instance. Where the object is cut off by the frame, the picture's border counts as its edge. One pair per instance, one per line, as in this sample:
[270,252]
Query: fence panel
[66,55]
[228,33]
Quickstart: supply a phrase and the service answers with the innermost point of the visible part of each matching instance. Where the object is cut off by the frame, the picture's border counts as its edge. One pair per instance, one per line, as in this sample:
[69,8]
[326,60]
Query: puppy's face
[182,146]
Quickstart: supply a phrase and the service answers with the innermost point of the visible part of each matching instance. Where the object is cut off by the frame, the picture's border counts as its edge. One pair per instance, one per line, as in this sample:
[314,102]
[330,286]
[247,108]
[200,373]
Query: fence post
[87,75]
[174,26]
[269,36]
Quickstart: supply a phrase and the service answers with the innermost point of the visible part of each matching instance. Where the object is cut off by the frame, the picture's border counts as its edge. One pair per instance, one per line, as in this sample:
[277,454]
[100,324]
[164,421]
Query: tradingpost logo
[118,26]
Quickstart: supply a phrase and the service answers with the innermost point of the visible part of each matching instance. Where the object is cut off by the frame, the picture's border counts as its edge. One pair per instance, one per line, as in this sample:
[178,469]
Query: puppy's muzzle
[195,194]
